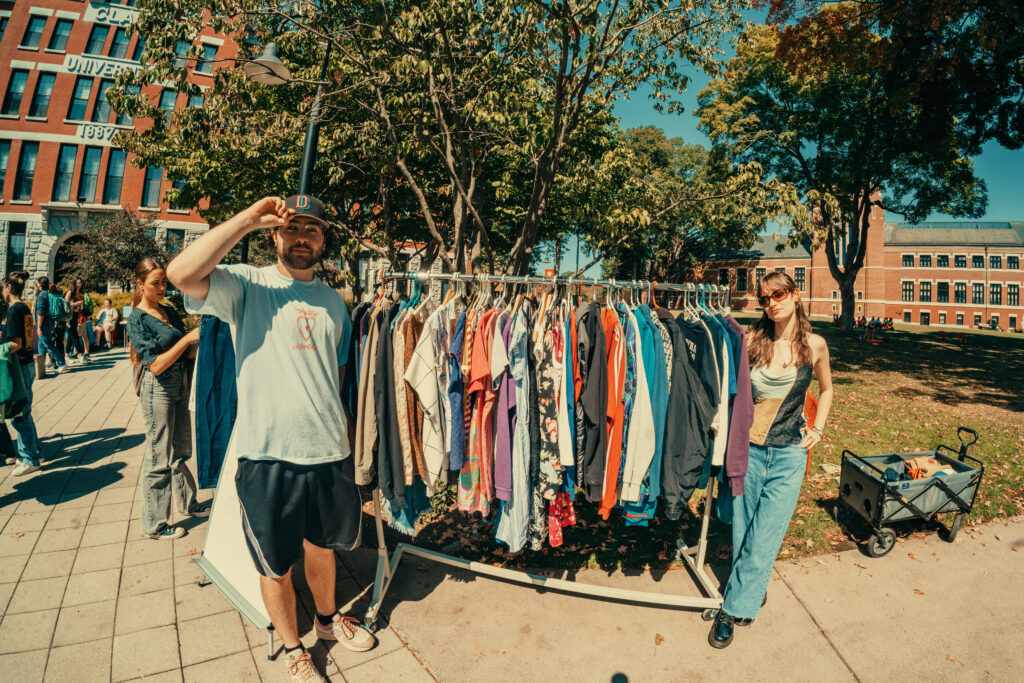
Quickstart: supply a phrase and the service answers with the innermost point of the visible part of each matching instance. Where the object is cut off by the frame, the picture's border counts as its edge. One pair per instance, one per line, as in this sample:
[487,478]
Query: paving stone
[146,652]
[129,479]
[135,532]
[146,578]
[117,512]
[76,499]
[6,591]
[67,518]
[11,567]
[191,601]
[211,637]
[48,565]
[397,666]
[81,663]
[92,587]
[27,631]
[187,571]
[387,642]
[17,543]
[29,665]
[109,496]
[98,557]
[140,612]
[145,551]
[26,521]
[42,503]
[32,596]
[58,539]
[173,676]
[238,667]
[82,623]
[101,534]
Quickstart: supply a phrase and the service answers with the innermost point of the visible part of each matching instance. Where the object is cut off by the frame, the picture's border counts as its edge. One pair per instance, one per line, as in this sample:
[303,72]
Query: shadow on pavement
[52,486]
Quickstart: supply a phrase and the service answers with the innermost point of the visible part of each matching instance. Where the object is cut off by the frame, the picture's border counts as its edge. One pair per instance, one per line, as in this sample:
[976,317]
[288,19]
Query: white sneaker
[347,631]
[23,469]
[301,669]
[62,369]
[168,534]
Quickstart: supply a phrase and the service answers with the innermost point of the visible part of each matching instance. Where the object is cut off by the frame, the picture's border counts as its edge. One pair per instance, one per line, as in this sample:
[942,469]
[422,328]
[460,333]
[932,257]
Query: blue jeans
[46,346]
[72,340]
[165,472]
[28,440]
[760,519]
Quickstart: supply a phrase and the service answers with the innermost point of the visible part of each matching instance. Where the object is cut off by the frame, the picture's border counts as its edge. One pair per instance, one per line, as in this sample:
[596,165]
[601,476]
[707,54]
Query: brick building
[58,164]
[952,273]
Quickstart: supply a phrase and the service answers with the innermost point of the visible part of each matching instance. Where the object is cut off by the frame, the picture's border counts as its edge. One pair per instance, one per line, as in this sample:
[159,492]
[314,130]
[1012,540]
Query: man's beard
[300,261]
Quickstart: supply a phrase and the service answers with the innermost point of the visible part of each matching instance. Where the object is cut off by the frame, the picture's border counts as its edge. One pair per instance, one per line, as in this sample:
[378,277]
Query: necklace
[786,364]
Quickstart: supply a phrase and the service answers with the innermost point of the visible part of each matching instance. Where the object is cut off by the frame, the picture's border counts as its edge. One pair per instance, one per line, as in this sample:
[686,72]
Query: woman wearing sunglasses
[784,355]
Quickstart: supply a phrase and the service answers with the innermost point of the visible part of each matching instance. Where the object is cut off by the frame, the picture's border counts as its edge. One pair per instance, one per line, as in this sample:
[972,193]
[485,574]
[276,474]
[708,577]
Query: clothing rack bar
[424,276]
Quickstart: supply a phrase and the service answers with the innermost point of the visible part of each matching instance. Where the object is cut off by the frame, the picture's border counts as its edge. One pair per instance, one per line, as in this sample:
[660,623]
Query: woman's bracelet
[818,429]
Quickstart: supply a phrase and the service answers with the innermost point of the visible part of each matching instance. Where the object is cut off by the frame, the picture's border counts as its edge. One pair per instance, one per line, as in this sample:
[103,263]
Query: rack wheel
[881,542]
[709,614]
[954,528]
[370,625]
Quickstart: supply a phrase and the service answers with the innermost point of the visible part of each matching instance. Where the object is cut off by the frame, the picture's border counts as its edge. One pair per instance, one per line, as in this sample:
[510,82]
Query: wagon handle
[969,431]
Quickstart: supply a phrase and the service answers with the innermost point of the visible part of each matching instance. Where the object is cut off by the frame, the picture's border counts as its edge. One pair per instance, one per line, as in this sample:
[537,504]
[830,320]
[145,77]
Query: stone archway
[61,258]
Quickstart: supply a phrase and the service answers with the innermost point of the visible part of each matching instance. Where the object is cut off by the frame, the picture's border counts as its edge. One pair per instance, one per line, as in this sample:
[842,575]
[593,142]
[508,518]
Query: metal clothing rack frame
[695,556]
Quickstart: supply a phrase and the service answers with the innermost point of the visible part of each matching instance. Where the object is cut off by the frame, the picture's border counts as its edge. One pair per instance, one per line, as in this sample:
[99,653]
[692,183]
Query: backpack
[87,304]
[59,309]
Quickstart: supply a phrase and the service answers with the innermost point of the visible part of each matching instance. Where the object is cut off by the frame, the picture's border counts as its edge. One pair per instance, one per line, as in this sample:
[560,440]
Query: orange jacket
[616,342]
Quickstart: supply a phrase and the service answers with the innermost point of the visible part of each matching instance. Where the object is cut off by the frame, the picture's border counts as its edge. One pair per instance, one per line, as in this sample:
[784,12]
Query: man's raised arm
[190,270]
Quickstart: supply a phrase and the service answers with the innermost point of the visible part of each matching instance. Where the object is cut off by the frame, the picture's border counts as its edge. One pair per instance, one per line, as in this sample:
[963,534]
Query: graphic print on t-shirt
[305,322]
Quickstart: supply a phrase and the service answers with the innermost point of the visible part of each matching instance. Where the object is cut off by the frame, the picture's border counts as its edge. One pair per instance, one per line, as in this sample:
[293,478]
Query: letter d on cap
[302,202]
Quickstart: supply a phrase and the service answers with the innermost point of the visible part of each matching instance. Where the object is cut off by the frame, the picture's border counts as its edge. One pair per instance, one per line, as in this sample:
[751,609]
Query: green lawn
[910,393]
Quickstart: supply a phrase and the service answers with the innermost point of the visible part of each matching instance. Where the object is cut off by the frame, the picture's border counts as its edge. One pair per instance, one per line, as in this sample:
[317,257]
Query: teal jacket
[13,396]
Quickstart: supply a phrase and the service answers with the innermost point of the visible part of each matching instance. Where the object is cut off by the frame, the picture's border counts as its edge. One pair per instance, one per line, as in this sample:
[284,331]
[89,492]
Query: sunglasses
[777,295]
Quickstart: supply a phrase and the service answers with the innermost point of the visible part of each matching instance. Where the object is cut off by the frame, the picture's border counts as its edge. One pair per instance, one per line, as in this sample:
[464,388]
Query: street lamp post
[269,70]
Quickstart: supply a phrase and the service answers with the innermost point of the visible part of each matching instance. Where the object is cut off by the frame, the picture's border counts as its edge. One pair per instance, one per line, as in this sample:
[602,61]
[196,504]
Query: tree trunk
[849,302]
[558,256]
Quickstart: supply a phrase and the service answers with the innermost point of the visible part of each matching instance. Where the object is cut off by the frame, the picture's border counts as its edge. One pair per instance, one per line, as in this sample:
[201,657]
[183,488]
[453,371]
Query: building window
[126,119]
[15,91]
[977,319]
[1012,262]
[942,318]
[799,275]
[995,262]
[33,32]
[196,100]
[906,316]
[3,26]
[942,292]
[960,260]
[960,319]
[16,245]
[926,318]
[140,45]
[26,172]
[1013,295]
[5,158]
[90,175]
[942,261]
[780,270]
[741,279]
[977,293]
[80,99]
[119,45]
[97,39]
[177,204]
[115,174]
[61,31]
[168,97]
[723,274]
[1013,322]
[758,275]
[995,320]
[995,295]
[181,52]
[835,294]
[926,291]
[977,261]
[101,111]
[205,65]
[151,186]
[860,295]
[908,291]
[925,260]
[960,293]
[908,260]
[65,173]
[175,240]
[41,100]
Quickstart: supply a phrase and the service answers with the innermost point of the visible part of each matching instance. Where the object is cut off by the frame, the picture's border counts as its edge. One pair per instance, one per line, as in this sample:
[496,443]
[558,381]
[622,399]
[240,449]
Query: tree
[112,246]
[847,131]
[455,122]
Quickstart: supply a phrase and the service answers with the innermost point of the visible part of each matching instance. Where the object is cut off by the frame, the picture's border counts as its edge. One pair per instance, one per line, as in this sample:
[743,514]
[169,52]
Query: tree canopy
[112,245]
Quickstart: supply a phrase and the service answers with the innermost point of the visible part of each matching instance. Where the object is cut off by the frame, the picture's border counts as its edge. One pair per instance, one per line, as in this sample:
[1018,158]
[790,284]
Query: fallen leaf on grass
[658,639]
[951,658]
[919,592]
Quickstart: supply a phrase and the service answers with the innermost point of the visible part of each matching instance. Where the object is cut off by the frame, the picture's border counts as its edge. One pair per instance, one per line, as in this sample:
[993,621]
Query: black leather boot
[721,630]
[747,622]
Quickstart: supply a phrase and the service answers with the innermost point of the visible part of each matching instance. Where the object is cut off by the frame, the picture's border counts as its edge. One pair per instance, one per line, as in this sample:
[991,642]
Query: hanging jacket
[738,451]
[390,471]
[594,403]
[216,398]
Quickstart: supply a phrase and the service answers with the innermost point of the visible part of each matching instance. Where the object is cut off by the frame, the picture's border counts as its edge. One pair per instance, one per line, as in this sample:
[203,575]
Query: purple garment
[505,422]
[737,451]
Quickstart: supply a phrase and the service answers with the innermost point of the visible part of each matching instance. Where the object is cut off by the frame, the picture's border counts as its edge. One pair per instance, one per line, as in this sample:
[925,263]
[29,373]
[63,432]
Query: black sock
[325,619]
[300,647]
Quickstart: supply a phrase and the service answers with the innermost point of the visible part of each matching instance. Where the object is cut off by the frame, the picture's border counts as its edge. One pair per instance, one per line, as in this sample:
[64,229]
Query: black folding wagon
[872,486]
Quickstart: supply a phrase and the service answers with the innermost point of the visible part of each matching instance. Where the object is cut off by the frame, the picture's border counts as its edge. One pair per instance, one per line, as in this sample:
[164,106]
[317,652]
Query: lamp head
[267,68]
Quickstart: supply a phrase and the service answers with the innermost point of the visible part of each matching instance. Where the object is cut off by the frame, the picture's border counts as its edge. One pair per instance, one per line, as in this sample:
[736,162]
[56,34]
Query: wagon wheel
[954,528]
[881,542]
[837,513]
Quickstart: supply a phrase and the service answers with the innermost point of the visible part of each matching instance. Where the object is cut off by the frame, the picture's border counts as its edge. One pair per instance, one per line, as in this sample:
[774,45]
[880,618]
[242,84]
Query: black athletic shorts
[283,503]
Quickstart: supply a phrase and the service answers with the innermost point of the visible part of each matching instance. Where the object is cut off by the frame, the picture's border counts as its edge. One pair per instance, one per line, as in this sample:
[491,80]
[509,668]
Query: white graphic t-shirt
[290,339]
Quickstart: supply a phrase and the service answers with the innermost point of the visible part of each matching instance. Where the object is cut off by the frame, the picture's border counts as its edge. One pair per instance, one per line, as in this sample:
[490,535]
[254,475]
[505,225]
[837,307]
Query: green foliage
[112,246]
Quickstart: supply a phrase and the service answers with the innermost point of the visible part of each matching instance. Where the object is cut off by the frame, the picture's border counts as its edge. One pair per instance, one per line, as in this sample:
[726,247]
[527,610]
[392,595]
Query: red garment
[560,515]
[577,380]
[616,387]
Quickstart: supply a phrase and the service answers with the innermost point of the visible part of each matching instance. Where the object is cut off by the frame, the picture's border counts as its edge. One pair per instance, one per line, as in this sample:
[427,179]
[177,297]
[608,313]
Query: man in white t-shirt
[295,473]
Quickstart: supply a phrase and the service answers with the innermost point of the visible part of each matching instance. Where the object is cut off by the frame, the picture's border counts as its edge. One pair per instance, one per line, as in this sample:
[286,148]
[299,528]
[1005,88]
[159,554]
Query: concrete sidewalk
[84,597]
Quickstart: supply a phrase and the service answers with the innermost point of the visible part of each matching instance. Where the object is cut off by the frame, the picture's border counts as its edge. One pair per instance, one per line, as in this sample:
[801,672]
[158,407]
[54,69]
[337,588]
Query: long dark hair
[142,269]
[762,332]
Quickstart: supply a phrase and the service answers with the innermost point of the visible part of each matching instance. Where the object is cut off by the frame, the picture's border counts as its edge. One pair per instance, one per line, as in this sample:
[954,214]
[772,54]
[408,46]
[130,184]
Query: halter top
[779,405]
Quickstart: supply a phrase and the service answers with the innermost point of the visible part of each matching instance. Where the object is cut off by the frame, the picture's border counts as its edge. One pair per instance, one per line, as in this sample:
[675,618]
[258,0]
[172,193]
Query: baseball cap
[308,206]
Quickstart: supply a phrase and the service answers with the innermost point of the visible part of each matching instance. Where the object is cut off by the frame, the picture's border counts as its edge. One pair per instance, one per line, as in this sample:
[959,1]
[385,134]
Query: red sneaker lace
[349,626]
[303,666]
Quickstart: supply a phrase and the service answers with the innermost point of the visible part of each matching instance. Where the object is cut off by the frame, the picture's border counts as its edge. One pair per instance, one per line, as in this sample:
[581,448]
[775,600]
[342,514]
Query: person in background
[60,329]
[45,325]
[159,342]
[81,309]
[18,332]
[106,320]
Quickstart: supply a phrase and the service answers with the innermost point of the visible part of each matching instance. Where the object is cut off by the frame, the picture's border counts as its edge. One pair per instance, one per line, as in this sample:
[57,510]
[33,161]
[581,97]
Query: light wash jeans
[46,345]
[165,472]
[760,519]
[28,440]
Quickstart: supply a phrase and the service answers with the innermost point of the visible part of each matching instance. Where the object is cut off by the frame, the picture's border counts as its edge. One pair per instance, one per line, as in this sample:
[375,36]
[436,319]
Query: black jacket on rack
[390,472]
[594,399]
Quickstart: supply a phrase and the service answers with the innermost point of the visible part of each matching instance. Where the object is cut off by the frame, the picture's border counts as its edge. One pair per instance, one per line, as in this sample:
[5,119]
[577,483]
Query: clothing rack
[694,556]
